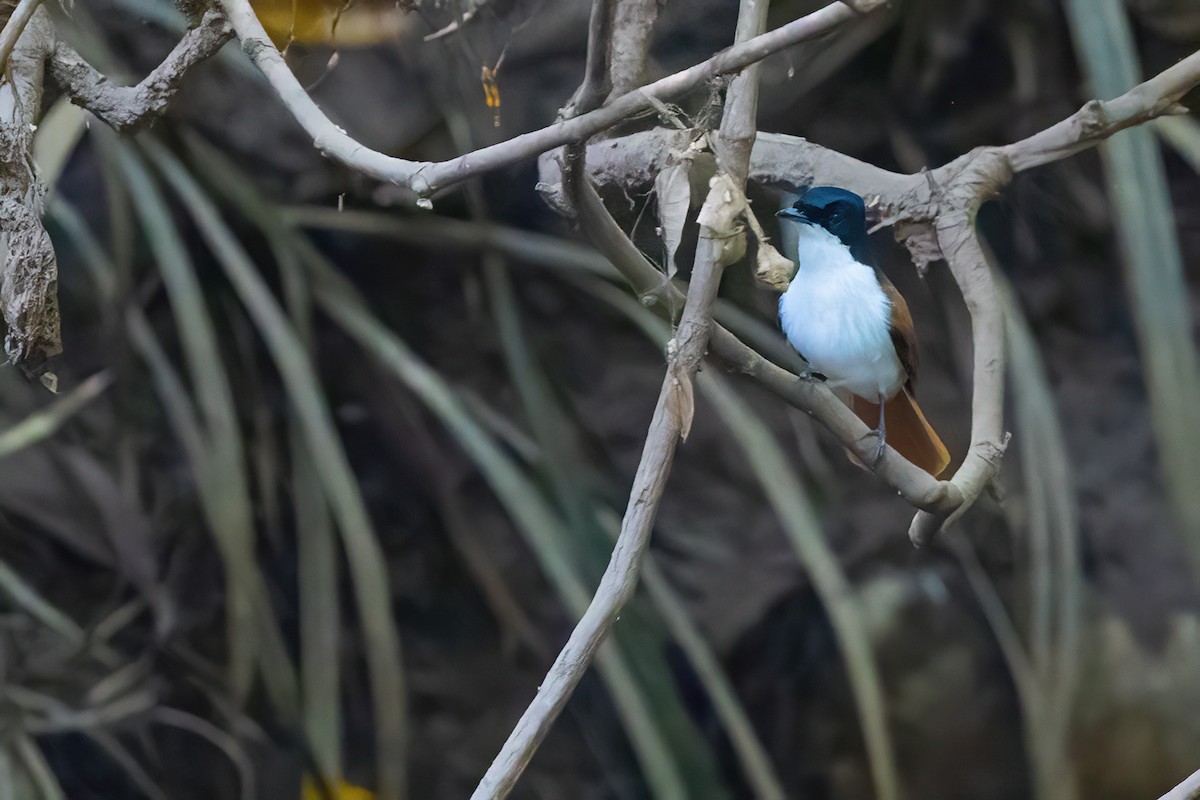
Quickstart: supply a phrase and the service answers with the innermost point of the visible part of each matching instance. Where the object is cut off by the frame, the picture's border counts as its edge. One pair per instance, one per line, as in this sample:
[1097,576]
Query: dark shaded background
[904,91]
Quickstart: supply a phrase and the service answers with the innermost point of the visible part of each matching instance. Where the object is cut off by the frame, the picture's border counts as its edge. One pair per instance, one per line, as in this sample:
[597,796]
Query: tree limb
[1188,789]
[425,177]
[14,27]
[633,29]
[29,274]
[672,413]
[128,108]
[933,213]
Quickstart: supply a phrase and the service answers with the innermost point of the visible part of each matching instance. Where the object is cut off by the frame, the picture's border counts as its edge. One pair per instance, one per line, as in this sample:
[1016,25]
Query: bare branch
[1100,119]
[718,247]
[633,30]
[932,213]
[458,23]
[959,243]
[916,486]
[128,108]
[29,275]
[596,71]
[425,178]
[1188,789]
[14,27]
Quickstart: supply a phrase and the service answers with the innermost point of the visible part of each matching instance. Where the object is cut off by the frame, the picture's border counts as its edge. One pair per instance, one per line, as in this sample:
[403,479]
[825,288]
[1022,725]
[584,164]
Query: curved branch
[915,485]
[425,177]
[128,108]
[933,213]
[959,244]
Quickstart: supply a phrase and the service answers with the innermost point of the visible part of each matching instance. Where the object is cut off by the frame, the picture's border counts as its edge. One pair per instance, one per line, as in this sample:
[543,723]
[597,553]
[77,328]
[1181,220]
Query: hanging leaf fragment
[674,193]
[337,790]
[681,401]
[491,91]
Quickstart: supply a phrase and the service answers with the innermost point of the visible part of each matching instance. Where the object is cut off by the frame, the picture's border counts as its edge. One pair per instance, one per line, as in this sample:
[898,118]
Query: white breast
[837,316]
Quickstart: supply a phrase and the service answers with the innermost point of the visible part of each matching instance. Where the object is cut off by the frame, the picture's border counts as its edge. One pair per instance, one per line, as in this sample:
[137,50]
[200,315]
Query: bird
[853,328]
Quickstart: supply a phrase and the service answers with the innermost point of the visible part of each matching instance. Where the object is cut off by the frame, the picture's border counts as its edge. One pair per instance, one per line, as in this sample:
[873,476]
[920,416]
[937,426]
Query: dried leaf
[922,242]
[491,91]
[338,790]
[720,218]
[772,269]
[674,194]
[681,402]
[28,288]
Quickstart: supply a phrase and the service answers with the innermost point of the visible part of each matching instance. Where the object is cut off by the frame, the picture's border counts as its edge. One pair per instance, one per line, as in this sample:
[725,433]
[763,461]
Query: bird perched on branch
[847,320]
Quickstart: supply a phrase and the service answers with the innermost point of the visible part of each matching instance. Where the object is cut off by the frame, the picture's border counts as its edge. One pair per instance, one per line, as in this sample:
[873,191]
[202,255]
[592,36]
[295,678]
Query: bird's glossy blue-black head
[839,211]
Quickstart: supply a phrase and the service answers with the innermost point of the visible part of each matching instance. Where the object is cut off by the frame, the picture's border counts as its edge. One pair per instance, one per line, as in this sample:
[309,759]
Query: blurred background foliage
[329,480]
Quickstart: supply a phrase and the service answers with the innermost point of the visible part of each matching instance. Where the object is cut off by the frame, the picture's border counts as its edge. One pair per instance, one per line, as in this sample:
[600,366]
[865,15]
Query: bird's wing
[904,335]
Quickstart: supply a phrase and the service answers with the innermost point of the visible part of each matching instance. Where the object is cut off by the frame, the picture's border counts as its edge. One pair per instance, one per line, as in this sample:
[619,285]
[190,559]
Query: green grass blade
[367,564]
[1183,134]
[316,544]
[37,769]
[523,502]
[44,423]
[9,779]
[561,467]
[1145,221]
[58,134]
[1053,519]
[223,467]
[27,598]
[223,501]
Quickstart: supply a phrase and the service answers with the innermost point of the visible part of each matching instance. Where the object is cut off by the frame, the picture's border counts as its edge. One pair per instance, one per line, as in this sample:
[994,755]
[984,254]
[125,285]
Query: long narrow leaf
[367,565]
[1053,520]
[214,495]
[43,424]
[542,527]
[1153,263]
[320,606]
[38,770]
[561,467]
[521,500]
[223,470]
[756,763]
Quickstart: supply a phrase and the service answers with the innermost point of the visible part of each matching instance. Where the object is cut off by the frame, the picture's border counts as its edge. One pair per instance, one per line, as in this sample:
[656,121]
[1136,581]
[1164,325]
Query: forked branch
[131,107]
[933,213]
[425,177]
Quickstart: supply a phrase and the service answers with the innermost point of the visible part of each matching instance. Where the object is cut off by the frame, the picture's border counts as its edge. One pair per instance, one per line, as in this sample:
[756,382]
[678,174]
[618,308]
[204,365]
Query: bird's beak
[792,213]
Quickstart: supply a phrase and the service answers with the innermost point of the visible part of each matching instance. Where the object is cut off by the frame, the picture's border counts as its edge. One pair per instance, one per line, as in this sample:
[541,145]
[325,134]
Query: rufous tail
[908,432]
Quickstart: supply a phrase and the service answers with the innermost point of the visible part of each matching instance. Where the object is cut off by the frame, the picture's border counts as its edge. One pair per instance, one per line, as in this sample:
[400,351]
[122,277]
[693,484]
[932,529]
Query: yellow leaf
[332,22]
[338,790]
